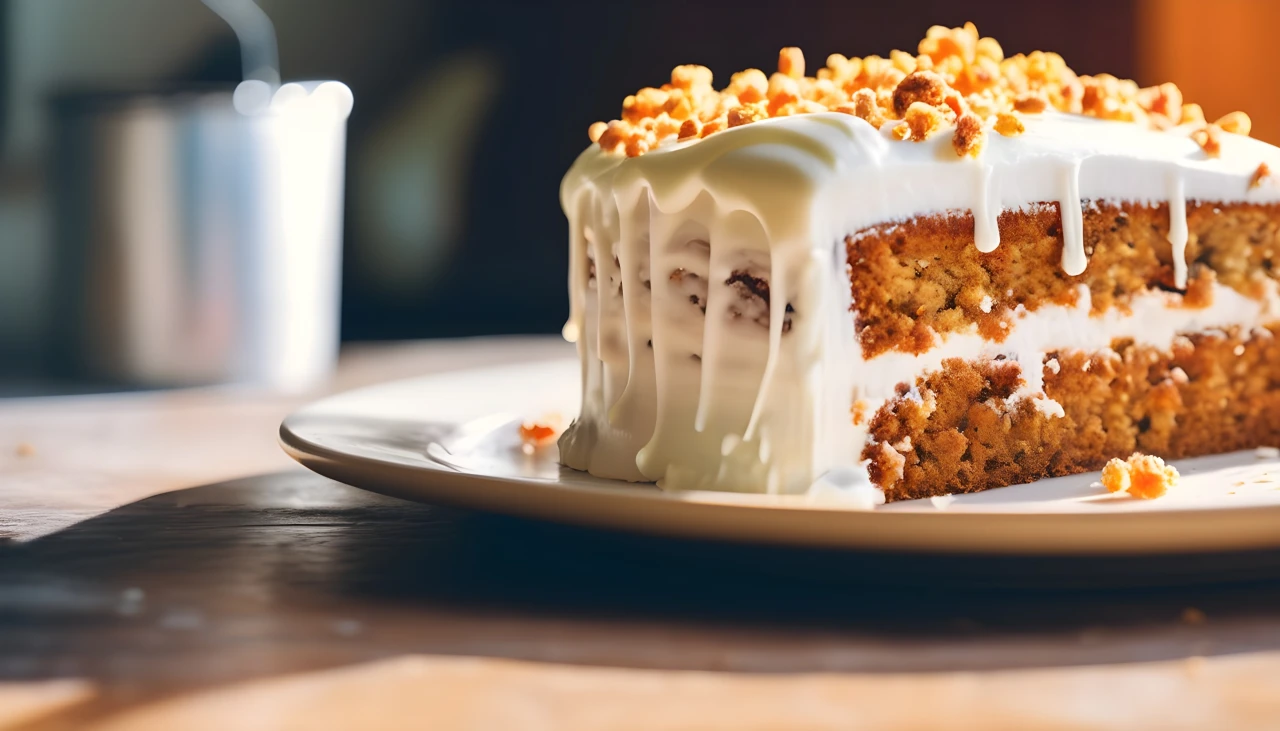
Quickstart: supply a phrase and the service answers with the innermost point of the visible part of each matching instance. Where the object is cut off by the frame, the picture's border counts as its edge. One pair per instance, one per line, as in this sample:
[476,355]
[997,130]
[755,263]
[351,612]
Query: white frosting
[713,400]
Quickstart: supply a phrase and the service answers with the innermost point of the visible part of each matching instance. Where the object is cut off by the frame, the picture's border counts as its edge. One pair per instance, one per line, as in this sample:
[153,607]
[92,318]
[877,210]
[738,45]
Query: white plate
[452,439]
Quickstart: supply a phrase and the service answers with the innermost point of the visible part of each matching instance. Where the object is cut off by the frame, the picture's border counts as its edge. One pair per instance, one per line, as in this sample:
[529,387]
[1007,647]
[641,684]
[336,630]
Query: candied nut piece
[1209,139]
[1030,102]
[1237,123]
[1261,174]
[664,126]
[1192,114]
[921,86]
[866,109]
[922,120]
[596,130]
[782,90]
[749,86]
[689,129]
[1165,100]
[636,146]
[1115,475]
[1009,125]
[1150,476]
[614,135]
[791,62]
[956,103]
[969,136]
[714,125]
[941,42]
[739,116]
[903,61]
[690,77]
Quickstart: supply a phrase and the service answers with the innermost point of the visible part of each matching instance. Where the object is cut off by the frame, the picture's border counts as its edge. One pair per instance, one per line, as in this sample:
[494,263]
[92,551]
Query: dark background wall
[467,113]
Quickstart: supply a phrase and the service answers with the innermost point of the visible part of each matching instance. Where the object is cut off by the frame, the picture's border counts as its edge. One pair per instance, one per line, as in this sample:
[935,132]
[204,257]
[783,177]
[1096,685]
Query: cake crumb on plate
[1141,475]
[537,434]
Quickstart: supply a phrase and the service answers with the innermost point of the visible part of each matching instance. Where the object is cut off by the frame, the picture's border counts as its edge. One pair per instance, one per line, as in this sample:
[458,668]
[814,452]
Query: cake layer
[962,427]
[914,281]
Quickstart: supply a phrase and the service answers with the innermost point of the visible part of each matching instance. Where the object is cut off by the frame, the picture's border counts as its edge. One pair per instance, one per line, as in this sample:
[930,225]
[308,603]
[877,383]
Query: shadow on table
[292,572]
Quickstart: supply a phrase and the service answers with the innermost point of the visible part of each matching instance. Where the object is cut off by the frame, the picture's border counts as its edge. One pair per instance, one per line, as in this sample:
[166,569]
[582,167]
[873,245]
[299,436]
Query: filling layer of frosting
[681,388]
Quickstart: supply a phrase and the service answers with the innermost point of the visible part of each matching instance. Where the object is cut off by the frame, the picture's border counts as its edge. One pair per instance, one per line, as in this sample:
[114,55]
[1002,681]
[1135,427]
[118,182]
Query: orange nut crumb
[741,115]
[1237,123]
[921,86]
[537,434]
[922,120]
[1009,125]
[1209,138]
[1192,114]
[1115,475]
[1259,176]
[749,86]
[690,77]
[1151,476]
[1141,475]
[1030,103]
[969,136]
[791,62]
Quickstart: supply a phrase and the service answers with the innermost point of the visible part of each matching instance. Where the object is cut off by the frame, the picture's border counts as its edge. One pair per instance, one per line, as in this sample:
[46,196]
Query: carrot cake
[952,269]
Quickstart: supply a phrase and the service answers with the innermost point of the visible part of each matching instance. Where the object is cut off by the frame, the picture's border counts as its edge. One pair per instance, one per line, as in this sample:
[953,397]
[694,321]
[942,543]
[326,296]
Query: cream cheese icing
[681,389]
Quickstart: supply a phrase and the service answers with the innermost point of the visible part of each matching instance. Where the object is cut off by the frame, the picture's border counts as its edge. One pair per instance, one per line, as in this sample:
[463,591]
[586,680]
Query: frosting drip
[694,381]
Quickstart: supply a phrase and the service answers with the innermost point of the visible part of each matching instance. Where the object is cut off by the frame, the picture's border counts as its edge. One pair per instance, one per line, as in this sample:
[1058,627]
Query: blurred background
[466,114]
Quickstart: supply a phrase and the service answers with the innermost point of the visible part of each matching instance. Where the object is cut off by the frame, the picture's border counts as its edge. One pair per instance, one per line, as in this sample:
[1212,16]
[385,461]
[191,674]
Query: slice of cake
[953,269]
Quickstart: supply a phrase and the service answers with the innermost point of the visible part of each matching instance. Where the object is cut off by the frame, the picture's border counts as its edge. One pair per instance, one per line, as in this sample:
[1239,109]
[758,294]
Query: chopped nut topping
[1192,114]
[1030,103]
[955,74]
[920,86]
[1009,125]
[1237,123]
[922,120]
[1209,139]
[1259,176]
[791,62]
[969,136]
[744,115]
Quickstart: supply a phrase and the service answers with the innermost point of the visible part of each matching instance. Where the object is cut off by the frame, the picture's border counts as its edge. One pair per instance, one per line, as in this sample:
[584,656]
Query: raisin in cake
[954,269]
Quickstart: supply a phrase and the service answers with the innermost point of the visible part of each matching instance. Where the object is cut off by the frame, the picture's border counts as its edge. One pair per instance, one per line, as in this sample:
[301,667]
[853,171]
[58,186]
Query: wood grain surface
[167,568]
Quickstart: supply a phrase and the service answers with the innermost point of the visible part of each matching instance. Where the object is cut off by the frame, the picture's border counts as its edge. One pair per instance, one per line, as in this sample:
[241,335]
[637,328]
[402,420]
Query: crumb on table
[1141,475]
[25,449]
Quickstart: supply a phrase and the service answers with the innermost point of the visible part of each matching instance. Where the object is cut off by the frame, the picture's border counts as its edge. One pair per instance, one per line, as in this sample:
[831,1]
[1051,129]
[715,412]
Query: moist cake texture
[951,270]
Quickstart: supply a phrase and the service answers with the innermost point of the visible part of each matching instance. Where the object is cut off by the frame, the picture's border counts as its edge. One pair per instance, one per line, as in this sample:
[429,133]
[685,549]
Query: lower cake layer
[963,428]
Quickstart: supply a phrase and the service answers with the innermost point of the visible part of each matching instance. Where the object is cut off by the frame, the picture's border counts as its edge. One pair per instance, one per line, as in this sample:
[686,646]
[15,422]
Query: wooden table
[167,567]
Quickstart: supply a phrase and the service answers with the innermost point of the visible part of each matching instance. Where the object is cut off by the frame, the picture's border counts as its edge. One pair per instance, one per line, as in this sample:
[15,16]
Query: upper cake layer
[822,176]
